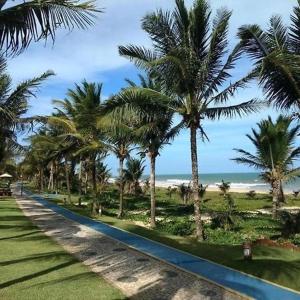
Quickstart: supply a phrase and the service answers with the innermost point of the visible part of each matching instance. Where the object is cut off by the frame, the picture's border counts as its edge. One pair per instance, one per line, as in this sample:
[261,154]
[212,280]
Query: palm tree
[119,139]
[133,173]
[22,23]
[189,60]
[224,187]
[184,192]
[276,54]
[78,116]
[153,133]
[13,108]
[275,153]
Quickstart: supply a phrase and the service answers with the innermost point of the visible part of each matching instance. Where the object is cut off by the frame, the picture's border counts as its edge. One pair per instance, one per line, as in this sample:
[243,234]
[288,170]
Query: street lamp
[247,251]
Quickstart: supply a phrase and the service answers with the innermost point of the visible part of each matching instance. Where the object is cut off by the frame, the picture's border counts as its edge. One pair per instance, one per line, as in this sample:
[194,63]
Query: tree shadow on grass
[37,274]
[13,218]
[40,256]
[19,235]
[18,227]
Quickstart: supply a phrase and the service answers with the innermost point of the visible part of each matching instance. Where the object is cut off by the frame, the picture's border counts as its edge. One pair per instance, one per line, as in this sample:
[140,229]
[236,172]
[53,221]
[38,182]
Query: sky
[93,55]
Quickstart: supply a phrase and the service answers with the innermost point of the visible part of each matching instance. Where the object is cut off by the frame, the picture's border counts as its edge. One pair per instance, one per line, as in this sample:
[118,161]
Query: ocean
[242,181]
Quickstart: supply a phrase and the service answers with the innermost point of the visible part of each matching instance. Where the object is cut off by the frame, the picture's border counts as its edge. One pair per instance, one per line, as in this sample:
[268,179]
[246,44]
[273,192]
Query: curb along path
[137,275]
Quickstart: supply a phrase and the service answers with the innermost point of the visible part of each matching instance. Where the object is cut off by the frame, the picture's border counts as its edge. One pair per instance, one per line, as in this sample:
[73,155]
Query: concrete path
[170,283]
[137,275]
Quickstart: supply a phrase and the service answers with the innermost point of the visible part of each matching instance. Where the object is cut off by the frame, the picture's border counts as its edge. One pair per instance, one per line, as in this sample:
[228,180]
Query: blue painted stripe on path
[235,280]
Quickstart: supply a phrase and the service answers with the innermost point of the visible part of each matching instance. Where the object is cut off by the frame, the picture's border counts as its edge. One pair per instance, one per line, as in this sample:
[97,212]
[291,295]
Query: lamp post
[247,251]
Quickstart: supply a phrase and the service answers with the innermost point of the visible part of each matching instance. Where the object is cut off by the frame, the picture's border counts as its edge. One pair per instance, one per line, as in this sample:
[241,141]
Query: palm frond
[239,110]
[34,20]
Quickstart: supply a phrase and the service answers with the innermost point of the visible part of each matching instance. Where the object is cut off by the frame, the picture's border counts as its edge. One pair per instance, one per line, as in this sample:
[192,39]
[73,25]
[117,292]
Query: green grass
[274,264]
[34,267]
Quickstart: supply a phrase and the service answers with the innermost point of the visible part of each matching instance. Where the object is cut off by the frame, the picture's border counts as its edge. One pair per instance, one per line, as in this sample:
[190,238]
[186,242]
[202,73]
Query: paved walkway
[138,275]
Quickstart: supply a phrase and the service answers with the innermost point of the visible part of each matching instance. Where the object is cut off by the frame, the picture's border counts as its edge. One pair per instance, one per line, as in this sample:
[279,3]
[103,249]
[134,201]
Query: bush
[224,220]
[222,237]
[290,224]
[251,194]
[177,226]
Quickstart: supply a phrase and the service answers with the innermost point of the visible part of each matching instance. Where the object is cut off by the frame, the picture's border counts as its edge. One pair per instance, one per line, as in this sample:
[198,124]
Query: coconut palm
[276,54]
[13,108]
[119,139]
[189,60]
[224,187]
[153,133]
[275,153]
[30,21]
[77,117]
[133,173]
[184,192]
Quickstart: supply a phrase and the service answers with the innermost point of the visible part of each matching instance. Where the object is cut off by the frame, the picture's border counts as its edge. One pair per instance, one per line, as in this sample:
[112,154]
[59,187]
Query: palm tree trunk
[121,188]
[41,180]
[94,184]
[67,180]
[281,196]
[195,183]
[276,194]
[50,184]
[80,182]
[152,189]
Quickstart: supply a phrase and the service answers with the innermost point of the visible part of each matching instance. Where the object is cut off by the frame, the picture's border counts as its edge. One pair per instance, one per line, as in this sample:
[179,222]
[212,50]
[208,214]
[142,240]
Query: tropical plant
[13,108]
[275,153]
[171,190]
[22,23]
[146,186]
[224,187]
[119,139]
[103,173]
[184,192]
[226,220]
[189,60]
[276,55]
[78,117]
[251,194]
[133,173]
[202,190]
[290,224]
[296,193]
[153,132]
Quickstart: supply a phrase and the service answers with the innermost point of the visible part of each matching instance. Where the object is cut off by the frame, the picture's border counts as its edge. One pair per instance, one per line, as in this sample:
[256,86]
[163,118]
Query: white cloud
[84,53]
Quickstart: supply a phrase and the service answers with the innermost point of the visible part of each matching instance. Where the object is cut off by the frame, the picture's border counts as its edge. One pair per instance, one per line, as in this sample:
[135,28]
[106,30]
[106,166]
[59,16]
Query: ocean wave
[242,184]
[237,185]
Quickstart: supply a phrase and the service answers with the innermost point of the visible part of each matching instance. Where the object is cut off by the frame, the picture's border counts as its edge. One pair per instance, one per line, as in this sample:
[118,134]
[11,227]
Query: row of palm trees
[188,73]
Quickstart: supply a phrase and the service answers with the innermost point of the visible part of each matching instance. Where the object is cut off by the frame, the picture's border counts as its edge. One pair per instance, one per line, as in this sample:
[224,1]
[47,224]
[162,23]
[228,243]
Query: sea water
[242,181]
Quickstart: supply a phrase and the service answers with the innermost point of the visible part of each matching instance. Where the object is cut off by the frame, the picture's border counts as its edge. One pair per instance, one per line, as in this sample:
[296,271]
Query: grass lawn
[274,264]
[34,267]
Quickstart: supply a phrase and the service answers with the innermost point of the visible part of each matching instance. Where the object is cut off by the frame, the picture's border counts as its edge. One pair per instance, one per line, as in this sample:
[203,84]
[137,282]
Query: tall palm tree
[189,59]
[78,115]
[154,132]
[24,22]
[276,54]
[275,153]
[119,139]
[14,106]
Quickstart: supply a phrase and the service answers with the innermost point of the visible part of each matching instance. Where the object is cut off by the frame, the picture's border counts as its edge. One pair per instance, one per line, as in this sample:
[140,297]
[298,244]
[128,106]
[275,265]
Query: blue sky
[93,55]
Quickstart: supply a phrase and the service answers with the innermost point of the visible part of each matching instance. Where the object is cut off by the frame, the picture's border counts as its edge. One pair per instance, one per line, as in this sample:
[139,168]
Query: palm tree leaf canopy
[39,19]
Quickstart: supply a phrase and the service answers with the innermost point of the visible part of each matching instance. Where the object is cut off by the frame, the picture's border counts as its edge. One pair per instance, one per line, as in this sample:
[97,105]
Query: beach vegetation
[275,154]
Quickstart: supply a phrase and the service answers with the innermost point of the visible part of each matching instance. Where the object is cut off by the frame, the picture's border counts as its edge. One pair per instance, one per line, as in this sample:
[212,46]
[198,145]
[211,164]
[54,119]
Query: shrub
[177,226]
[290,224]
[251,194]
